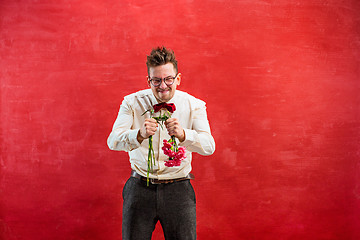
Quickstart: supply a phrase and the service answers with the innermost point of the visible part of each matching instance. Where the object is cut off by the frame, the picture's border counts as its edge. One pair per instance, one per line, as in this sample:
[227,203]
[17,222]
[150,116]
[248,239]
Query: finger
[170,120]
[173,127]
[151,128]
[172,124]
[152,120]
[151,123]
[154,123]
[150,133]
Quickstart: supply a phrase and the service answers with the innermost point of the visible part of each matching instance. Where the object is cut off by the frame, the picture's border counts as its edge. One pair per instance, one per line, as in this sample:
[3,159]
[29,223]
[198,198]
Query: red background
[281,82]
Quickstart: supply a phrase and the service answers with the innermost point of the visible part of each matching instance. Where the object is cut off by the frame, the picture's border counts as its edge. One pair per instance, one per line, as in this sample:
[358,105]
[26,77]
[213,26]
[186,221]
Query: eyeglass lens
[157,81]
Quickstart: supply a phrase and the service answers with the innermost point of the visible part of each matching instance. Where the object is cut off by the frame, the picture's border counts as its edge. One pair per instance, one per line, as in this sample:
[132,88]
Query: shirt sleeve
[122,137]
[199,139]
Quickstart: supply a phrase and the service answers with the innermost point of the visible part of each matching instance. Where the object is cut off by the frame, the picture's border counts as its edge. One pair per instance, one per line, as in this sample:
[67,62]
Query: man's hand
[147,130]
[174,129]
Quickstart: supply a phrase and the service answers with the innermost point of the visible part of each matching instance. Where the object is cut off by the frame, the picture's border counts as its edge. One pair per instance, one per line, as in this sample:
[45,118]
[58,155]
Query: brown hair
[161,56]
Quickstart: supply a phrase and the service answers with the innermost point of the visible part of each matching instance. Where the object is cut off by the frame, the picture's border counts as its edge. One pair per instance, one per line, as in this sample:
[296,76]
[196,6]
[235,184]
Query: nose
[163,84]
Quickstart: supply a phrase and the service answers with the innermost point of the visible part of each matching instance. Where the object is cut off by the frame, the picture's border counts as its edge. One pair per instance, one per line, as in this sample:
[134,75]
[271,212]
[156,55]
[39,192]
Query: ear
[178,79]
[148,81]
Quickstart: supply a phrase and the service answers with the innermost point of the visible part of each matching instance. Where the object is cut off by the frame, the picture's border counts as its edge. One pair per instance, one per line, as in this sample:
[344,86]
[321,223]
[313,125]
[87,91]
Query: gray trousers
[173,204]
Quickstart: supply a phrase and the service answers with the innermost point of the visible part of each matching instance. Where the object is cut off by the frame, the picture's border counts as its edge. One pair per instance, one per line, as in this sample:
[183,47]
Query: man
[169,197]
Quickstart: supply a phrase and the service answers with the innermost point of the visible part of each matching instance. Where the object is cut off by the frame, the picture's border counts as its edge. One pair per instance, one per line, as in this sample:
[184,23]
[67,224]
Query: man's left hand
[174,129]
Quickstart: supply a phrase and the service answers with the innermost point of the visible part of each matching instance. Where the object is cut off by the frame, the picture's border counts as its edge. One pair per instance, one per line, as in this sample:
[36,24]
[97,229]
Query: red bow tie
[169,106]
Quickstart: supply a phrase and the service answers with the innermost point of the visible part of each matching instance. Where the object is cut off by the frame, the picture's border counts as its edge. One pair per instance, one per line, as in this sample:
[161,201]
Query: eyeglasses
[167,80]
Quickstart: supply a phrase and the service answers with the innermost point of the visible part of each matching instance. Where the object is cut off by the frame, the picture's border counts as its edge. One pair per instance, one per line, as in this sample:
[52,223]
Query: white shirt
[192,116]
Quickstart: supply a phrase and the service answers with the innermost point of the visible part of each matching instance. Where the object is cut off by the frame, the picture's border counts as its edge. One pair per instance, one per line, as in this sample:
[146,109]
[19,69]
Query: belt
[163,181]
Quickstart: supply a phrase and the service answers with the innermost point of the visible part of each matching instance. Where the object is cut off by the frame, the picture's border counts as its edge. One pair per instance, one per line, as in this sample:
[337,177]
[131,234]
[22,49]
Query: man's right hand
[148,129]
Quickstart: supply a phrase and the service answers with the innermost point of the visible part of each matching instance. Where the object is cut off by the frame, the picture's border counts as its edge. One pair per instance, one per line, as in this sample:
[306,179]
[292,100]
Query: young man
[169,196]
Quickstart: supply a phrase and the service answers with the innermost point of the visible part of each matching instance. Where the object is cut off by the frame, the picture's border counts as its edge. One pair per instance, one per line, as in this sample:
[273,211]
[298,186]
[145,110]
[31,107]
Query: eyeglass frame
[163,80]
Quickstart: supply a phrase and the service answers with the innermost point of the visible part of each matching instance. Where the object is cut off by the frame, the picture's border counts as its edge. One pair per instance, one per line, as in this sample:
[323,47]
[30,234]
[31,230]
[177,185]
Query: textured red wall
[281,80]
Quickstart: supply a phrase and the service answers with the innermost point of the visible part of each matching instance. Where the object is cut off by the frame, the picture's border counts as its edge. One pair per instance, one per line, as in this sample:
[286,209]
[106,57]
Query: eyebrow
[161,78]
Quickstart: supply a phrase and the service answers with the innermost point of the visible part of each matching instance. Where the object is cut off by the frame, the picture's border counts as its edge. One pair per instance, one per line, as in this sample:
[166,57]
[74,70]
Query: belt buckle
[154,181]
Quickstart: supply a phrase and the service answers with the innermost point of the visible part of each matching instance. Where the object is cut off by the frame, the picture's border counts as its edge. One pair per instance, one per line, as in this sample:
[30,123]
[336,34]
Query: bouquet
[176,154]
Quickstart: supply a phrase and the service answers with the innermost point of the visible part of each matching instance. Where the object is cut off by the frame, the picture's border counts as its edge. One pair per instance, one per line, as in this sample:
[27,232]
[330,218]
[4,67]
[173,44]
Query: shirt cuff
[189,138]
[133,138]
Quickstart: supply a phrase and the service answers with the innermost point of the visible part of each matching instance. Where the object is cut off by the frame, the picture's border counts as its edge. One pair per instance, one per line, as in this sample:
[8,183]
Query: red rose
[169,106]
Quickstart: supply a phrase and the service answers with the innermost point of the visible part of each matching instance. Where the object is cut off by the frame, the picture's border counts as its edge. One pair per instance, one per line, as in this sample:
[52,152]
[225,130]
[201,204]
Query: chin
[164,98]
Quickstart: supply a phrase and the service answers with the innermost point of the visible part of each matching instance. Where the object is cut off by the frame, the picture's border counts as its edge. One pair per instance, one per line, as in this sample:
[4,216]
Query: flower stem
[151,160]
[173,140]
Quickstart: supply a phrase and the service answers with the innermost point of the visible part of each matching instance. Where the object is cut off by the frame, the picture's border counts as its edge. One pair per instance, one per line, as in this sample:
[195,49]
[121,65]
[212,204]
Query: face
[164,93]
